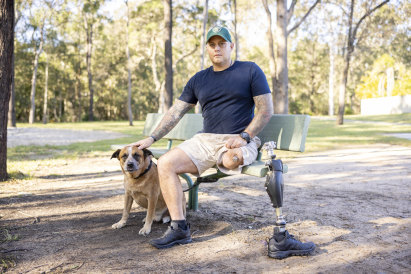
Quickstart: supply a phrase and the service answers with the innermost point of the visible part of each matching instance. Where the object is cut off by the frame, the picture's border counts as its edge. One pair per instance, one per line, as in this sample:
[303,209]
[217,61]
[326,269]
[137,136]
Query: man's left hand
[235,142]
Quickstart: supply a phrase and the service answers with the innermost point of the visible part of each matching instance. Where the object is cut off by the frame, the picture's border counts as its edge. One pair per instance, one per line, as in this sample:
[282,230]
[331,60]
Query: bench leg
[193,199]
[192,194]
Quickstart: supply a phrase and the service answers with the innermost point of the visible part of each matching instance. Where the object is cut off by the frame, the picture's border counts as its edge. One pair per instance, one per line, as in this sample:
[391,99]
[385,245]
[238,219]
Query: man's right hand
[145,143]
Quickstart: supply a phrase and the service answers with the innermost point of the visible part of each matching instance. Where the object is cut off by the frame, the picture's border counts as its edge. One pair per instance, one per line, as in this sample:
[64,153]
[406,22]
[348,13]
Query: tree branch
[339,6]
[290,11]
[184,56]
[368,13]
[304,17]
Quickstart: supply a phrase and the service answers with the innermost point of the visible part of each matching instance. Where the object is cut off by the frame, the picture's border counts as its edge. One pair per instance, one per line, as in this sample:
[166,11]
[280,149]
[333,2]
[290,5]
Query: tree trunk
[281,93]
[6,76]
[12,109]
[278,65]
[159,87]
[350,48]
[203,42]
[168,54]
[78,91]
[236,39]
[46,80]
[331,82]
[273,69]
[89,32]
[12,105]
[34,78]
[352,33]
[130,113]
[203,36]
[343,87]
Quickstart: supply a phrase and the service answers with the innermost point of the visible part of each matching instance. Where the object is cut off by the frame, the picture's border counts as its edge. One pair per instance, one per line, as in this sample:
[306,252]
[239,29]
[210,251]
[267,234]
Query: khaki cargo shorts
[206,150]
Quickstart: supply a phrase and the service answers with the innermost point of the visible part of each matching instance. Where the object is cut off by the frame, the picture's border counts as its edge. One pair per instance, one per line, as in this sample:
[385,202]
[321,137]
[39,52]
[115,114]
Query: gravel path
[43,136]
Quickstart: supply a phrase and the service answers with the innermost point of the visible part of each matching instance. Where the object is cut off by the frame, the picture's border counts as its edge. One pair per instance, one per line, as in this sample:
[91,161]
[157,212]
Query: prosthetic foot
[282,244]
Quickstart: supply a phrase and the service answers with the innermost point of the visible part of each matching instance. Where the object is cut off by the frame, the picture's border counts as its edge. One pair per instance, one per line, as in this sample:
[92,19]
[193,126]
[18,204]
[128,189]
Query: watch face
[245,136]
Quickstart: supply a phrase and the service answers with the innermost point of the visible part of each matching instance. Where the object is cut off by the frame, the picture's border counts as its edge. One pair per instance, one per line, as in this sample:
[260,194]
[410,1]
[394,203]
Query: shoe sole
[287,253]
[178,242]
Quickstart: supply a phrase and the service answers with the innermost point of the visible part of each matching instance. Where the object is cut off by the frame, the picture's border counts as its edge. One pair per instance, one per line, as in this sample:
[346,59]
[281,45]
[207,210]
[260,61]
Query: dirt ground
[353,203]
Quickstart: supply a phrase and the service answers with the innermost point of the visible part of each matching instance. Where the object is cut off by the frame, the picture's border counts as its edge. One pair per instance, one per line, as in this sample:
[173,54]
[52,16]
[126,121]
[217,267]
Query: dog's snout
[130,166]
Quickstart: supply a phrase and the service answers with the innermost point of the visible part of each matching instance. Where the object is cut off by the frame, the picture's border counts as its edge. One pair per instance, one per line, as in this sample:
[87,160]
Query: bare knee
[232,158]
[165,163]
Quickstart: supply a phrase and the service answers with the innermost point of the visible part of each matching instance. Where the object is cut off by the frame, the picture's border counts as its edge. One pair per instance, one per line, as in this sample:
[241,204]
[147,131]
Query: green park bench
[289,132]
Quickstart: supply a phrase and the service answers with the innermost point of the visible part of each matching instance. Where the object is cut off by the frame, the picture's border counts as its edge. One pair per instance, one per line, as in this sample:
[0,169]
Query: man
[228,92]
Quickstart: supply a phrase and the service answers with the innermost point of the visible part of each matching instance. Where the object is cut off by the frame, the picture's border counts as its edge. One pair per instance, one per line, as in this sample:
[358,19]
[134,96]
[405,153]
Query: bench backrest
[288,131]
[188,126]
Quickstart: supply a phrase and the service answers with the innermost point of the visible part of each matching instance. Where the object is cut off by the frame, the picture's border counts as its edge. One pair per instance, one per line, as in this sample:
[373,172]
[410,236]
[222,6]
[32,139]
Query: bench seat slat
[259,169]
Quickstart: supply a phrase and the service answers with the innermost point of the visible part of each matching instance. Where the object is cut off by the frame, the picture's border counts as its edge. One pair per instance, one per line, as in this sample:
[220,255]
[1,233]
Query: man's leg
[170,165]
[232,158]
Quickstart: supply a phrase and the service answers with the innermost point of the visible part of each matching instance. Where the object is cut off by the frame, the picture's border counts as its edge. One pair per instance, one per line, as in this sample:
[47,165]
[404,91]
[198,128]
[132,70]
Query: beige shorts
[206,150]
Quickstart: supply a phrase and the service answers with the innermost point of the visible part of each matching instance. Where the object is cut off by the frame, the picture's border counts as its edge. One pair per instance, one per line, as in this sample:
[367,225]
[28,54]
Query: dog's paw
[118,225]
[166,219]
[145,230]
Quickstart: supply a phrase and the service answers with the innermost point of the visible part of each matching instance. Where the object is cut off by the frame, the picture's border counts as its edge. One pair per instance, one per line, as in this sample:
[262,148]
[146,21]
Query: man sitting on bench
[227,92]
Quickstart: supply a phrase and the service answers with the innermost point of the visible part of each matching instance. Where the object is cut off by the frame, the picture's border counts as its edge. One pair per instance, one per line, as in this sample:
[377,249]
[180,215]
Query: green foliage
[308,75]
[65,51]
[378,73]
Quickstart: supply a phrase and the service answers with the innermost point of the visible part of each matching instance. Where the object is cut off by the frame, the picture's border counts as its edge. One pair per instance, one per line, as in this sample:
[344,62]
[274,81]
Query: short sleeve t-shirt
[226,97]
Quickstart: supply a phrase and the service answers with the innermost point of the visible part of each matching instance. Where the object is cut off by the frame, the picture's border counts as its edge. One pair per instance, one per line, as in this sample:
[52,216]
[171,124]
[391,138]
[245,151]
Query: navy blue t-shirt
[226,97]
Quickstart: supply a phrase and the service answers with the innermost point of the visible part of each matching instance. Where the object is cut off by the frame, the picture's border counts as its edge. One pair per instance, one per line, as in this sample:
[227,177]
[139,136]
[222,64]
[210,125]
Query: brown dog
[141,185]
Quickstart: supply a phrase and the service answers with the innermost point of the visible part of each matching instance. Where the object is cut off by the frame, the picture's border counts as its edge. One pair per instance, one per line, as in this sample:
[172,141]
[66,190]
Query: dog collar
[145,171]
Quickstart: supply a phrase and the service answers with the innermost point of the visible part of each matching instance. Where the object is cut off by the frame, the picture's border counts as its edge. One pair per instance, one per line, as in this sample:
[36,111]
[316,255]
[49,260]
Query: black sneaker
[174,235]
[282,246]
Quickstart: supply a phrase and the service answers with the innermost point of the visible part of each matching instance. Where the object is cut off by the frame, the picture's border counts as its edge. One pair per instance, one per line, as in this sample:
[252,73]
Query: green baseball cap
[220,31]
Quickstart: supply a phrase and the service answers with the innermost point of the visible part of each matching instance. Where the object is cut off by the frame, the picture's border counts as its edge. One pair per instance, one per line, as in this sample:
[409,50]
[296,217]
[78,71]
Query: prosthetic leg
[282,244]
[274,185]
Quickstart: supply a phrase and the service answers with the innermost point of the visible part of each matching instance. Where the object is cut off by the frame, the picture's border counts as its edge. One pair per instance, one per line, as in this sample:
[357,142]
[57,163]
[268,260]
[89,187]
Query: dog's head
[132,159]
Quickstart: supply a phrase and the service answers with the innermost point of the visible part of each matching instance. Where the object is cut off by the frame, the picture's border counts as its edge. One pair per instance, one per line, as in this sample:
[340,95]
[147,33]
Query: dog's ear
[147,153]
[116,154]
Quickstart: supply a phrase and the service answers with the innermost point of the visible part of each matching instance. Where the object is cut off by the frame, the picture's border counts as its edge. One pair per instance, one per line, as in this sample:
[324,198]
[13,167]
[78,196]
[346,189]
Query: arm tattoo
[171,118]
[264,106]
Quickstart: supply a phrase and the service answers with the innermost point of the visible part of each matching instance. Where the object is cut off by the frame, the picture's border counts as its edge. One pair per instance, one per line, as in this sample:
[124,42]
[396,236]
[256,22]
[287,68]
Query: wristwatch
[154,138]
[245,136]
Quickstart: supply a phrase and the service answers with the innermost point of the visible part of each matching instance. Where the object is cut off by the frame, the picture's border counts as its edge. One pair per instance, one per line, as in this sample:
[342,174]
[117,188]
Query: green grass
[80,149]
[404,118]
[323,135]
[326,134]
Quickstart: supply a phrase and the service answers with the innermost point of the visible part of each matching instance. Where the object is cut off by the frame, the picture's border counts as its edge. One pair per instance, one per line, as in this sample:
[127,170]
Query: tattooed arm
[264,106]
[170,119]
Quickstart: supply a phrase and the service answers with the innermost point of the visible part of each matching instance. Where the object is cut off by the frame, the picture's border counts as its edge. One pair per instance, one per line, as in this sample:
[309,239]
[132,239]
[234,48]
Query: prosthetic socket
[274,185]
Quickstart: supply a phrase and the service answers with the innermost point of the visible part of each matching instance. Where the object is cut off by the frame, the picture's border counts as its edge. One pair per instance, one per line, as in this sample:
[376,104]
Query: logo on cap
[216,29]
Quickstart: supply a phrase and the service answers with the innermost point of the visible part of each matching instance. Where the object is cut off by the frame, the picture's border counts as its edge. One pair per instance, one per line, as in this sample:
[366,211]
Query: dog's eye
[136,156]
[124,156]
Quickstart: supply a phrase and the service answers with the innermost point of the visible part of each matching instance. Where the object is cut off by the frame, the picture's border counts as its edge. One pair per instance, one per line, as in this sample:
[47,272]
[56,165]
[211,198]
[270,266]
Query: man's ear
[147,153]
[116,154]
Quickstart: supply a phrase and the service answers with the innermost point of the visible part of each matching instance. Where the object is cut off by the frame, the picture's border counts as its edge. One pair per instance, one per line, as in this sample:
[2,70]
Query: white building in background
[386,105]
